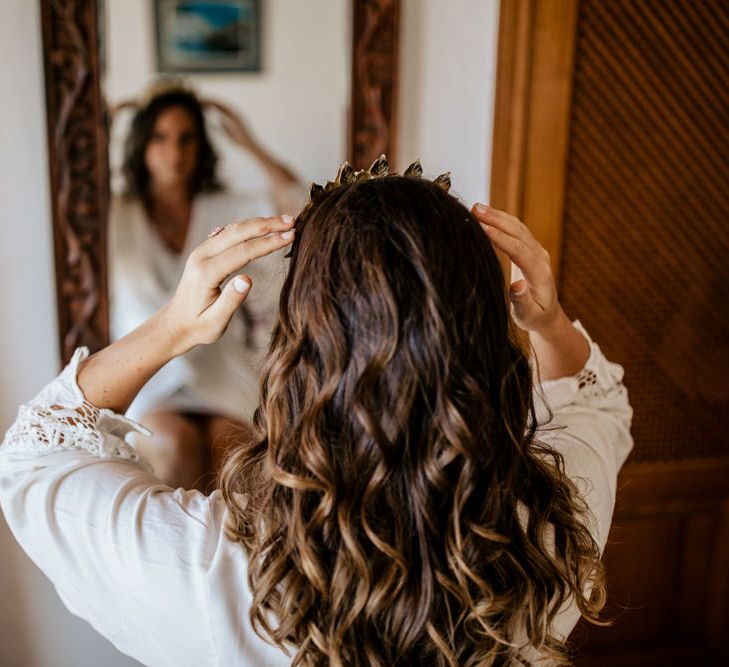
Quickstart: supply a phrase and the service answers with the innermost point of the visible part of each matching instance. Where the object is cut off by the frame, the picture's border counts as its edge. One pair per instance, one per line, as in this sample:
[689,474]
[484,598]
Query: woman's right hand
[535,306]
[201,309]
[233,124]
[199,312]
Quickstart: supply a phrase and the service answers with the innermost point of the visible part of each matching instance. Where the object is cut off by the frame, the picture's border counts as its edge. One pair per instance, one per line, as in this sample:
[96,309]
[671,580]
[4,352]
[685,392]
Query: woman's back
[398,505]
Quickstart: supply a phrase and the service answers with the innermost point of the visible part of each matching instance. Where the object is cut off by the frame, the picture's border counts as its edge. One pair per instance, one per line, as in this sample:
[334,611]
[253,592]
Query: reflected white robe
[143,275]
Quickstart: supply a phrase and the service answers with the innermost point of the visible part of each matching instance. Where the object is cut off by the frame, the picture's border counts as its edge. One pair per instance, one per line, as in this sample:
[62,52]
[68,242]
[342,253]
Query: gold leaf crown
[378,169]
[164,86]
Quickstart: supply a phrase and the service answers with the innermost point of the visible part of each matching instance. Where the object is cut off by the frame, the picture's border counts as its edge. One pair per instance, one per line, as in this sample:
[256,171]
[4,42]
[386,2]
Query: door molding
[669,544]
[531,117]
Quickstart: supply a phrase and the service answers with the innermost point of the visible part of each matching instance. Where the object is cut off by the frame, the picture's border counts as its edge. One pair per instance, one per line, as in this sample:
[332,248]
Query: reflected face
[172,151]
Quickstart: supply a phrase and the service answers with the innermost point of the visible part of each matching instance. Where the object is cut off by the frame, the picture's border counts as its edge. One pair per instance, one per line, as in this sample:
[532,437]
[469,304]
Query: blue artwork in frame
[208,35]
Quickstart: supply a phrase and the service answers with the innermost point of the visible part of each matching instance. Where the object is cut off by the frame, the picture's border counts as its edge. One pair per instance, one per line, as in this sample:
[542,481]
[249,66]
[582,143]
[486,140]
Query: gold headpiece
[378,169]
[164,86]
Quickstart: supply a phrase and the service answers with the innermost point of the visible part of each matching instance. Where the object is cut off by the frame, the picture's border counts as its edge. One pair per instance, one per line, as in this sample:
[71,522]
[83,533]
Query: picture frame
[208,35]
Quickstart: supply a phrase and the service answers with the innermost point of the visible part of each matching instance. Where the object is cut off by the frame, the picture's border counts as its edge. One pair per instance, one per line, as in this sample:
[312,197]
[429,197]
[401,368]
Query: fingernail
[287,235]
[241,285]
[521,292]
[486,228]
[288,219]
[482,207]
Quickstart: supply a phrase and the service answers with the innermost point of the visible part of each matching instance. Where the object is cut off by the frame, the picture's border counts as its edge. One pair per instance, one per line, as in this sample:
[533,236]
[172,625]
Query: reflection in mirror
[193,153]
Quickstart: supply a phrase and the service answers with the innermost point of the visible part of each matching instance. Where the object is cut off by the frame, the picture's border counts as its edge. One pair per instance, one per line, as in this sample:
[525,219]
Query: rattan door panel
[611,141]
[644,263]
[645,251]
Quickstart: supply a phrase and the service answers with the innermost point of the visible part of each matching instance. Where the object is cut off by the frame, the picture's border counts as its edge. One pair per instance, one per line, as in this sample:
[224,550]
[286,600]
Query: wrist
[560,349]
[112,377]
[554,328]
[173,339]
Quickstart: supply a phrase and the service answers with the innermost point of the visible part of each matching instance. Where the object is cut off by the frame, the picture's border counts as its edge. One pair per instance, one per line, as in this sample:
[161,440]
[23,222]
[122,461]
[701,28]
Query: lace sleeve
[115,541]
[60,418]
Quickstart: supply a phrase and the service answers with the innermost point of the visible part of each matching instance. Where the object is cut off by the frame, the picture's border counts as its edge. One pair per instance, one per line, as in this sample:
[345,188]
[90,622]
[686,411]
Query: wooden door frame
[531,116]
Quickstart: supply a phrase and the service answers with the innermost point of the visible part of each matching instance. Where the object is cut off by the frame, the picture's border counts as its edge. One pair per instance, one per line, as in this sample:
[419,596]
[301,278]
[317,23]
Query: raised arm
[579,388]
[198,313]
[286,190]
[122,548]
[560,349]
[236,128]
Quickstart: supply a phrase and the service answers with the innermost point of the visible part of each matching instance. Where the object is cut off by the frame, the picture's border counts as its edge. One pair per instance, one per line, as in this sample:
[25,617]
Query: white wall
[297,105]
[447,82]
[35,629]
[447,88]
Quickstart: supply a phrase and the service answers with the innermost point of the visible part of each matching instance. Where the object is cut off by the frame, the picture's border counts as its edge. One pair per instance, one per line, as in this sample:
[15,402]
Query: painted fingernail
[241,285]
[287,235]
[520,293]
[288,219]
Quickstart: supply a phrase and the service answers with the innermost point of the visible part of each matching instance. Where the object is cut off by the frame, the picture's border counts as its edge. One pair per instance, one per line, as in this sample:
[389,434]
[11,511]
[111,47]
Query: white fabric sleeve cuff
[60,417]
[598,384]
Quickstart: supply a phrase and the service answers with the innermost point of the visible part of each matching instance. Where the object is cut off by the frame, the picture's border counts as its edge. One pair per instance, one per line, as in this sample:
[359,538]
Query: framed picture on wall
[208,35]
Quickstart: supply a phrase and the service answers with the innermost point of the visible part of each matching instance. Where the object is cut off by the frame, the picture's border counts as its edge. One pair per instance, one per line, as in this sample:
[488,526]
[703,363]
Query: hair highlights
[396,506]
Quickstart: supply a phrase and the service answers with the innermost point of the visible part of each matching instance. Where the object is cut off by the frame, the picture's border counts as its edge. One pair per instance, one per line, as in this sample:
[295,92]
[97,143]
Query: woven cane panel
[645,254]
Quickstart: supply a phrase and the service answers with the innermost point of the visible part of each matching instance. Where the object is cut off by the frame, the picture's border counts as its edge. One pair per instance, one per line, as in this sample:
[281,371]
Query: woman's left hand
[534,302]
[201,307]
[233,125]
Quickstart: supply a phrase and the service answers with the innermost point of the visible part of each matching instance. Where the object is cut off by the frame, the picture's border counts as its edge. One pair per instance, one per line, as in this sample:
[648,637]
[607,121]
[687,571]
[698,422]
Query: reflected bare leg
[178,449]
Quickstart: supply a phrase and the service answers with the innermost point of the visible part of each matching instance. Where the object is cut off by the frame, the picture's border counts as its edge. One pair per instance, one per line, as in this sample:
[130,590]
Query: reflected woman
[173,199]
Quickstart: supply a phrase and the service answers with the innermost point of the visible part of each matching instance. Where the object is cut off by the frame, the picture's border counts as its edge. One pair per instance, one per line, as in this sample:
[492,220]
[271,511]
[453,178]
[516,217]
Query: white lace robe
[149,567]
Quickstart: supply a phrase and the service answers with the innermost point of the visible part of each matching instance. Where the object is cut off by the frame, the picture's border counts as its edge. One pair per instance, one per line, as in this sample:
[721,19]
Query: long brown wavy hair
[396,506]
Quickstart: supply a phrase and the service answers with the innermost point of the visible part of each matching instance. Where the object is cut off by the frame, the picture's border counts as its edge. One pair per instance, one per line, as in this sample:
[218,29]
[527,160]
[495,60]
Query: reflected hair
[395,503]
[134,168]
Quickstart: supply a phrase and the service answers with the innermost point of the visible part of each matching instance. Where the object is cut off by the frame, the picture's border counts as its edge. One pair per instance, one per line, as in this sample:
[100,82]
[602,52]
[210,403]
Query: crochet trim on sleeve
[61,418]
[598,383]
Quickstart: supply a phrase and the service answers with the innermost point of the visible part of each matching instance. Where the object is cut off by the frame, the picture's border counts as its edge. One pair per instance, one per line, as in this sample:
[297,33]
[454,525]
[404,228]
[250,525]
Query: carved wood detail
[374,81]
[77,151]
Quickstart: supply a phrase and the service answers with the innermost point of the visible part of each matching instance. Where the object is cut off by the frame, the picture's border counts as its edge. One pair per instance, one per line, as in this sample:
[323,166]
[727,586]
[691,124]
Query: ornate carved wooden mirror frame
[77,145]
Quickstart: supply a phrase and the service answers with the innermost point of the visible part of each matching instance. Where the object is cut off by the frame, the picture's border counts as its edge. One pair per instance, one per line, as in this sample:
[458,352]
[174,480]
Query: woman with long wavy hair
[417,491]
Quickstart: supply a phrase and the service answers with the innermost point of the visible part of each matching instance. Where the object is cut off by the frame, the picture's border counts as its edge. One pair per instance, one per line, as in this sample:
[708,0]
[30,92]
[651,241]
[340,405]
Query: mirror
[294,106]
[74,48]
[271,84]
[219,111]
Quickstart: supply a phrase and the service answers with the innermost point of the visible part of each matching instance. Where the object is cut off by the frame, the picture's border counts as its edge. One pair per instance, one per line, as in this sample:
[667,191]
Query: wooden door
[611,142]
